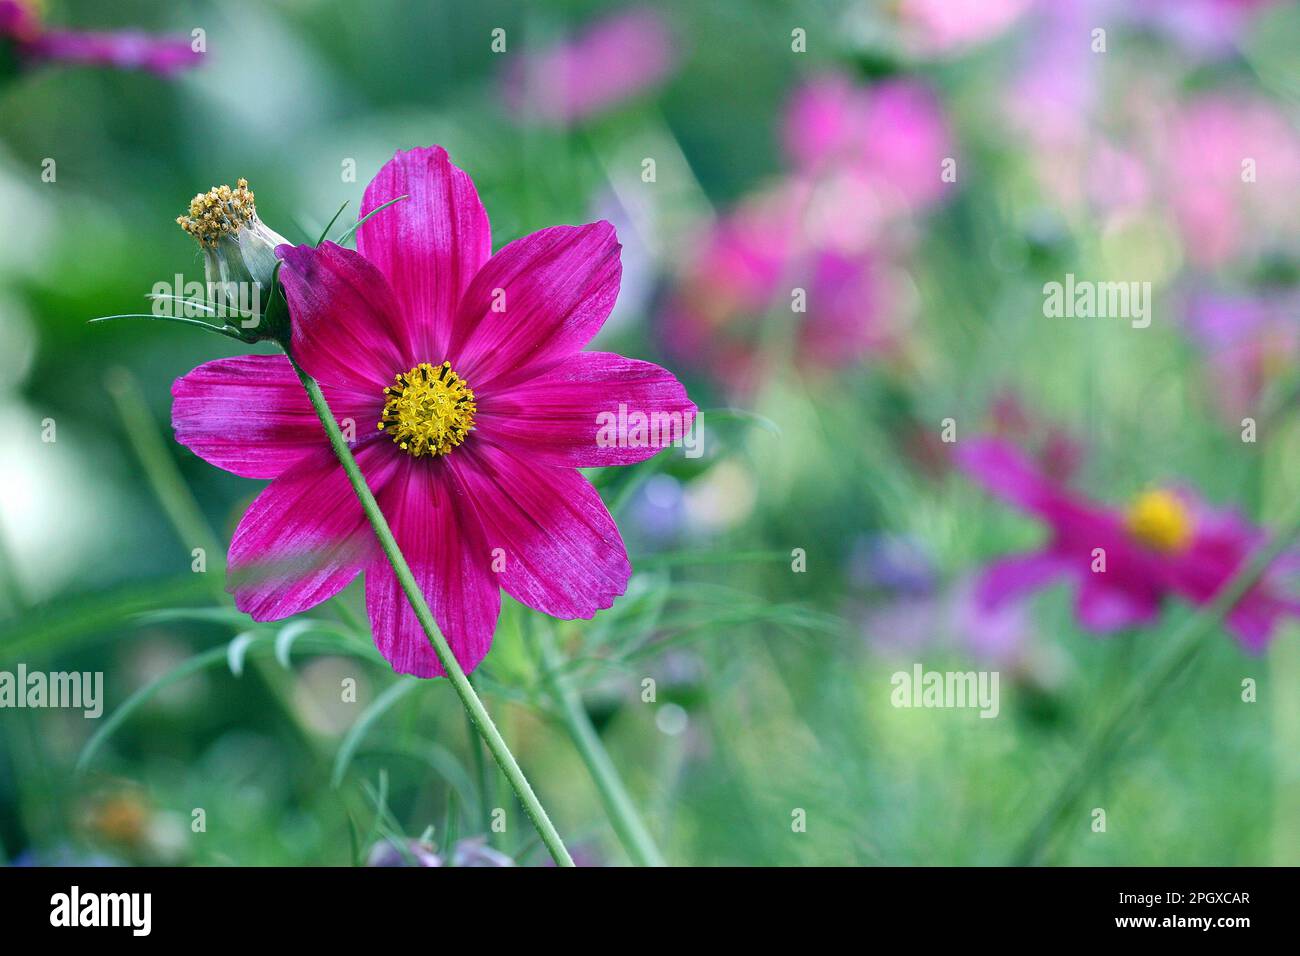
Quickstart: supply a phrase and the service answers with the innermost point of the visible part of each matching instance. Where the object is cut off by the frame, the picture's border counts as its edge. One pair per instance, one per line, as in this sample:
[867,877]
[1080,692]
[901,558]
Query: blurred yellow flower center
[220,211]
[1160,520]
[429,410]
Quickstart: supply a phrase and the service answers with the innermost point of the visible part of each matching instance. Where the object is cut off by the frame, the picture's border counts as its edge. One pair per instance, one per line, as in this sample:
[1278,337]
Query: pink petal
[562,552]
[439,533]
[347,328]
[552,291]
[1101,606]
[249,415]
[305,536]
[18,21]
[428,246]
[1004,471]
[563,415]
[615,58]
[1009,579]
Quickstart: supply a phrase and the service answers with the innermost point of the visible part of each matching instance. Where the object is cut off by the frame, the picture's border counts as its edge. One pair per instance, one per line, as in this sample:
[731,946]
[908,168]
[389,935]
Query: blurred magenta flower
[36,44]
[480,485]
[748,265]
[891,138]
[865,159]
[613,60]
[1058,453]
[1249,342]
[1230,163]
[1167,543]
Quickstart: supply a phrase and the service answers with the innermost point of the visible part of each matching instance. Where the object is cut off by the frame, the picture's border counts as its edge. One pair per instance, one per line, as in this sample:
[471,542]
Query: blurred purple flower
[413,853]
[1209,27]
[611,61]
[1001,636]
[1249,340]
[1167,543]
[891,562]
[124,50]
[472,851]
[912,620]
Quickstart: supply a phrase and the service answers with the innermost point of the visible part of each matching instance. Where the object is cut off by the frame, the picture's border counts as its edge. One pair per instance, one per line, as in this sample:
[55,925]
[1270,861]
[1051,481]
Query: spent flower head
[239,261]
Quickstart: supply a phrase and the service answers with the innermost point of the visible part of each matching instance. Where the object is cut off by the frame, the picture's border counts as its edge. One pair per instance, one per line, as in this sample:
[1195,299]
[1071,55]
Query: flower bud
[239,259]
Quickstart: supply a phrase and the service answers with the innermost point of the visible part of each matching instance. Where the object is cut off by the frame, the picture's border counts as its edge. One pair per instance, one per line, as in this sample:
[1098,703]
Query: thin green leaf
[219,330]
[362,221]
[192,666]
[352,740]
[284,640]
[197,303]
[237,650]
[330,225]
[53,627]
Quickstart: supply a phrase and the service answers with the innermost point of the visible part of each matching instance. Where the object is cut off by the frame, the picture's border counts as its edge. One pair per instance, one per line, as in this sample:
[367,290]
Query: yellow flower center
[220,211]
[1160,520]
[429,410]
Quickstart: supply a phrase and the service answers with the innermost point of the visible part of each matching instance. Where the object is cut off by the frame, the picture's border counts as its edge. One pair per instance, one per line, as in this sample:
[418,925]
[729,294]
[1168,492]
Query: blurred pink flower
[865,159]
[747,266]
[1167,543]
[1209,146]
[891,138]
[1249,341]
[938,27]
[610,62]
[123,50]
[1057,452]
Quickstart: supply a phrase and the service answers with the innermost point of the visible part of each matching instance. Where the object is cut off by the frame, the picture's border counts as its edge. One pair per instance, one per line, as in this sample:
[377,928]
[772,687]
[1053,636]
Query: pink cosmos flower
[123,50]
[473,404]
[613,60]
[1167,543]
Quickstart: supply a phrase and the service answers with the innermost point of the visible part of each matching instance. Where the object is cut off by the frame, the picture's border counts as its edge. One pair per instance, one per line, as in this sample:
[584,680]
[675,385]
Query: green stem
[473,706]
[622,813]
[1187,643]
